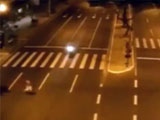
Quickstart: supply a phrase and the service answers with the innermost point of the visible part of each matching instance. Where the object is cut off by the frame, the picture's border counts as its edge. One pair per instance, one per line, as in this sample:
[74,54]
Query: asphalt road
[80,87]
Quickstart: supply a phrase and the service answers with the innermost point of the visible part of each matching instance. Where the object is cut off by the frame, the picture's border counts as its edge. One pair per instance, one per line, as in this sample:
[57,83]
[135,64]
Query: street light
[3,8]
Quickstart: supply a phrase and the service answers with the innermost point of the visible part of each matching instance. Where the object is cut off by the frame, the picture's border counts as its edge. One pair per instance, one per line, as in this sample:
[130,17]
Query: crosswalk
[147,43]
[60,60]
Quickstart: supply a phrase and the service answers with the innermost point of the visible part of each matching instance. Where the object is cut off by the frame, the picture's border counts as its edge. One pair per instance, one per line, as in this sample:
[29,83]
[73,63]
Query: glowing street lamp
[3,8]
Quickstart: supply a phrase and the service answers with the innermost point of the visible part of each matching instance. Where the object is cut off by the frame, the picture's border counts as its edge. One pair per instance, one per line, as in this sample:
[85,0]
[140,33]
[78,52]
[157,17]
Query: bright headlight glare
[70,48]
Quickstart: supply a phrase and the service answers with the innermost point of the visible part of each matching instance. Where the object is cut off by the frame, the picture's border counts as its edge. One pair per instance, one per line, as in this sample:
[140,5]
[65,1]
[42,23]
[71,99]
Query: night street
[93,83]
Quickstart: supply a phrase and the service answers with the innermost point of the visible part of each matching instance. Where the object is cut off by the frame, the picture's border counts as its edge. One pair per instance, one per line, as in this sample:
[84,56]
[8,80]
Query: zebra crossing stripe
[37,60]
[102,64]
[152,43]
[144,43]
[158,42]
[64,61]
[74,61]
[93,62]
[11,59]
[137,43]
[56,60]
[83,62]
[29,59]
[46,60]
[20,59]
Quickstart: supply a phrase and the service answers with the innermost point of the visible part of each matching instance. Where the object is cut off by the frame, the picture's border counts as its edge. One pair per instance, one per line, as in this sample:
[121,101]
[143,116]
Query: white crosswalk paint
[37,60]
[74,61]
[102,64]
[11,59]
[152,43]
[158,42]
[55,60]
[64,61]
[93,62]
[20,59]
[46,60]
[137,43]
[145,43]
[83,62]
[29,59]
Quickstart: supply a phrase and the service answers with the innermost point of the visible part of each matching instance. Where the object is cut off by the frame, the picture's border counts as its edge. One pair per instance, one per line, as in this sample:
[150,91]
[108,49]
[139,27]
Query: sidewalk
[118,63]
[24,33]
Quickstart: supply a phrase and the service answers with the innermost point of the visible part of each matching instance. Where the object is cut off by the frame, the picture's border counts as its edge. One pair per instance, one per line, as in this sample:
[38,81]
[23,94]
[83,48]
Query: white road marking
[83,62]
[100,85]
[98,99]
[64,61]
[14,82]
[158,42]
[11,59]
[151,31]
[152,43]
[93,62]
[148,58]
[135,83]
[102,64]
[94,33]
[107,17]
[54,35]
[137,43]
[20,59]
[73,83]
[62,47]
[135,117]
[94,16]
[37,60]
[83,21]
[46,60]
[74,61]
[147,20]
[79,16]
[135,100]
[56,60]
[44,80]
[29,59]
[144,43]
[95,116]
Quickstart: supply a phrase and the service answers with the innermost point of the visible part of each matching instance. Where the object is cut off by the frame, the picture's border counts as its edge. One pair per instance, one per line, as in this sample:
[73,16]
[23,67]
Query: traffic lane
[150,53]
[66,33]
[117,97]
[43,32]
[149,89]
[70,104]
[53,93]
[104,32]
[83,37]
[141,26]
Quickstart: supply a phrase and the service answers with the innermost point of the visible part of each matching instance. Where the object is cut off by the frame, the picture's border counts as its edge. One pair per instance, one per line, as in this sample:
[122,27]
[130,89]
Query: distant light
[3,7]
[20,10]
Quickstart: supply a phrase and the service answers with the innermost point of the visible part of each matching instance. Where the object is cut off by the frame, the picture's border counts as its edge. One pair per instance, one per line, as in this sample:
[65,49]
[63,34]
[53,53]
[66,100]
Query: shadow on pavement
[3,89]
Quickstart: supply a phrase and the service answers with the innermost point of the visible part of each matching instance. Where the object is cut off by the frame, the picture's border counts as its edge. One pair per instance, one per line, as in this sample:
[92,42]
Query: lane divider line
[135,100]
[44,80]
[98,99]
[135,117]
[73,83]
[135,83]
[14,82]
[101,85]
[54,35]
[94,33]
[95,116]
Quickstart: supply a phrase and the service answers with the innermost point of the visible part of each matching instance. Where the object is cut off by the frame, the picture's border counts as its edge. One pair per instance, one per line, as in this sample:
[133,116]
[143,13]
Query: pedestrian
[28,87]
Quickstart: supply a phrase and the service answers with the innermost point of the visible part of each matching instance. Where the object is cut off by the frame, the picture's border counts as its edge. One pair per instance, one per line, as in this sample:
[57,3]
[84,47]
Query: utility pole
[49,7]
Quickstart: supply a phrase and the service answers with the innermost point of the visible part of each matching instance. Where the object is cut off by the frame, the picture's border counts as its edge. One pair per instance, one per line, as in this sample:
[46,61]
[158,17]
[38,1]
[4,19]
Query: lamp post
[3,10]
